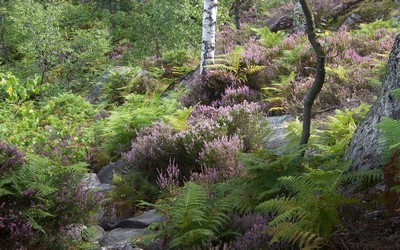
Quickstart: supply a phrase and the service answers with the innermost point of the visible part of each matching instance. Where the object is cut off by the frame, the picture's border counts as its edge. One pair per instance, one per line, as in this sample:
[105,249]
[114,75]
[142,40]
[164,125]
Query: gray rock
[93,233]
[119,235]
[352,19]
[94,95]
[124,245]
[74,231]
[103,188]
[90,180]
[141,221]
[106,173]
[276,138]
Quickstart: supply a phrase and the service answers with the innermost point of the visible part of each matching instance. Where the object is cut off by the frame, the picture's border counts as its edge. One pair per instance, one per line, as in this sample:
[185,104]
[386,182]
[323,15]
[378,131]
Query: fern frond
[372,175]
[4,192]
[388,140]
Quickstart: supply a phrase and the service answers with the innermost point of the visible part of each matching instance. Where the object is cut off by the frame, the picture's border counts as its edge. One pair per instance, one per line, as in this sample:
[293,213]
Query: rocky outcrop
[363,149]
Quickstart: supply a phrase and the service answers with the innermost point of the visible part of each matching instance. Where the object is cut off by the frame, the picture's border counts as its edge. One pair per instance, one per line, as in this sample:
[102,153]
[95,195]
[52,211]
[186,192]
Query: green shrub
[37,202]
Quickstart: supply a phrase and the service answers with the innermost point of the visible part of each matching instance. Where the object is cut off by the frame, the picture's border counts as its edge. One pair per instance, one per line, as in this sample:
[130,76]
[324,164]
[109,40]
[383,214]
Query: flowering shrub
[212,139]
[74,204]
[10,157]
[34,206]
[233,96]
[209,87]
[169,180]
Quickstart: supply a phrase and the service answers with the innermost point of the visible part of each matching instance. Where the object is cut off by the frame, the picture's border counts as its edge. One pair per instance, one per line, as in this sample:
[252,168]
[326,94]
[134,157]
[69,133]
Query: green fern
[308,213]
[263,170]
[390,131]
[233,63]
[179,118]
[118,130]
[269,39]
[192,218]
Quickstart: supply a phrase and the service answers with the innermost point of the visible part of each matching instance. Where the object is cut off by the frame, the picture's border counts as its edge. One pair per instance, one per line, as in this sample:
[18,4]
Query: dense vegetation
[85,83]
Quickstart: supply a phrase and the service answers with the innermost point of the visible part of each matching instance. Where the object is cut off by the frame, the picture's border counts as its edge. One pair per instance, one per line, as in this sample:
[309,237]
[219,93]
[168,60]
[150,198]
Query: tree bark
[208,33]
[238,4]
[320,73]
[363,149]
[298,24]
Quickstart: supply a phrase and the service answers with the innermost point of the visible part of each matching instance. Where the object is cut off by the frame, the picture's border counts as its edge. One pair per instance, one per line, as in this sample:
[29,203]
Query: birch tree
[208,33]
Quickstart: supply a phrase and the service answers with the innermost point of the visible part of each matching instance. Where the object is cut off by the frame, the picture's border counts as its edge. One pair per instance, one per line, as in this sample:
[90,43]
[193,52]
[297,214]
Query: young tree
[320,73]
[208,33]
[363,149]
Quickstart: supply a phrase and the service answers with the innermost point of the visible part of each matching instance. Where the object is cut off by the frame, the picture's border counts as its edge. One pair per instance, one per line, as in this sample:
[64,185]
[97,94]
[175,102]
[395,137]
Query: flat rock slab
[141,221]
[119,235]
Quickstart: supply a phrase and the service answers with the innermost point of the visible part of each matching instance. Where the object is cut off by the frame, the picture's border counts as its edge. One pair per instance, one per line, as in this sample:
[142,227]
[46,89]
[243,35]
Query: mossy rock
[372,10]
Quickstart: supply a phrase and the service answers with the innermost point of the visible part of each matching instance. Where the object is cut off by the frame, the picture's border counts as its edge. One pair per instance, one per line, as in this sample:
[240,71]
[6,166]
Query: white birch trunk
[208,33]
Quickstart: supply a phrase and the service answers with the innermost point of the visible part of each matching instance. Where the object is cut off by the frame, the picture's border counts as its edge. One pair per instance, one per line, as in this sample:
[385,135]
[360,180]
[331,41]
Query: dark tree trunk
[320,73]
[363,149]
[238,4]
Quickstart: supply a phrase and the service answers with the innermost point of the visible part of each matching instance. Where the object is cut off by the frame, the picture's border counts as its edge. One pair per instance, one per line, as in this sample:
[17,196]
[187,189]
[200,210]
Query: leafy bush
[32,207]
[43,42]
[13,90]
[61,120]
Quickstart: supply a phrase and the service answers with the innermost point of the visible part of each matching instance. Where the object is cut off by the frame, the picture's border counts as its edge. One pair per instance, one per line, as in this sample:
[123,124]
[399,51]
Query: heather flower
[219,157]
[234,96]
[10,157]
[169,180]
[209,87]
[254,54]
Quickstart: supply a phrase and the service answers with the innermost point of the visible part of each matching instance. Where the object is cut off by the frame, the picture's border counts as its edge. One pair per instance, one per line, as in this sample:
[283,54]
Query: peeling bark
[363,149]
[208,33]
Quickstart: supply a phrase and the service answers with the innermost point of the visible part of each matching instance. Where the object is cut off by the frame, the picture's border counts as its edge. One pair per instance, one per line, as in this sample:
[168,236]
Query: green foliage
[192,219]
[267,5]
[309,212]
[120,128]
[270,39]
[263,170]
[132,189]
[14,91]
[54,128]
[178,119]
[330,140]
[388,140]
[233,64]
[275,93]
[156,27]
[41,44]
